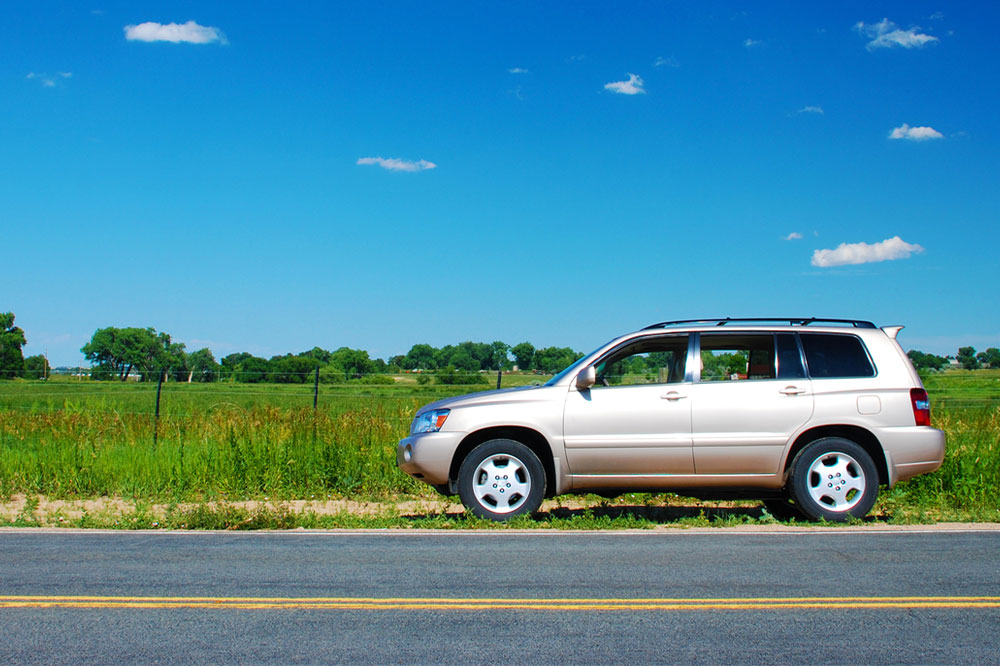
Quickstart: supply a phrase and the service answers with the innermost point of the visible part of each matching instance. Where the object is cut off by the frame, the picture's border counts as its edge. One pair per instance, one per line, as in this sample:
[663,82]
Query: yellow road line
[444,603]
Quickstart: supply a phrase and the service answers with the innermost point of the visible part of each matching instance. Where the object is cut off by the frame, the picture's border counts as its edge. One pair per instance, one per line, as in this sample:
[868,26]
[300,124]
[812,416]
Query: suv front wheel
[834,479]
[501,479]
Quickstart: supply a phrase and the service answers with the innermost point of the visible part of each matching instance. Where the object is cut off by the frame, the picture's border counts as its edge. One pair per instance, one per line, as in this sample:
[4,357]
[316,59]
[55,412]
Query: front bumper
[428,456]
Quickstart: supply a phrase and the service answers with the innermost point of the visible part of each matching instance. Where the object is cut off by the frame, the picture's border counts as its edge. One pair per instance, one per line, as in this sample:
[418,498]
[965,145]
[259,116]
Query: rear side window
[830,355]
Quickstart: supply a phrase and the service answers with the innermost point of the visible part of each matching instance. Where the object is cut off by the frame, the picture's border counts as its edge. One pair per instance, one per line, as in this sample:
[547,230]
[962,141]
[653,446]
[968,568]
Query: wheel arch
[861,436]
[531,438]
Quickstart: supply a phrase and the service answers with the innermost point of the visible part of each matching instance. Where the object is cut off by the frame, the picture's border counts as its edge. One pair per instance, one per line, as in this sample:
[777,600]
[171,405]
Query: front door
[636,420]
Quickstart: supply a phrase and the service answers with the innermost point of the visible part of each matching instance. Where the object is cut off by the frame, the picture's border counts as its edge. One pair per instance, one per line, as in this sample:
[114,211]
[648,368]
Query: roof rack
[790,321]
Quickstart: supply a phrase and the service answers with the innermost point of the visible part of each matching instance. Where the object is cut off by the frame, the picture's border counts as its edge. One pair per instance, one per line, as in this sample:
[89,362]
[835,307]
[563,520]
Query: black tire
[850,485]
[783,509]
[518,485]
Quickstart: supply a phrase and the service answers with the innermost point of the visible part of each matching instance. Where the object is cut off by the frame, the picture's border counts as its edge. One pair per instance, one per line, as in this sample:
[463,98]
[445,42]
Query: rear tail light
[921,406]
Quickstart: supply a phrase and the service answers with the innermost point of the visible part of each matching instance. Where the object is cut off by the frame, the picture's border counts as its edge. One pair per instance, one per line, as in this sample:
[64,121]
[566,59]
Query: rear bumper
[911,450]
[428,456]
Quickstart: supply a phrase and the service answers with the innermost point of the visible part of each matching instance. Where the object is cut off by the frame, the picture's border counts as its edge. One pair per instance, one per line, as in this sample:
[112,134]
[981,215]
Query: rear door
[750,396]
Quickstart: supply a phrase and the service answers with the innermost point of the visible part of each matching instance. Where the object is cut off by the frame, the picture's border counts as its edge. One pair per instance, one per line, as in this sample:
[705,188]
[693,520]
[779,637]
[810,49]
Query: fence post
[499,375]
[156,417]
[316,389]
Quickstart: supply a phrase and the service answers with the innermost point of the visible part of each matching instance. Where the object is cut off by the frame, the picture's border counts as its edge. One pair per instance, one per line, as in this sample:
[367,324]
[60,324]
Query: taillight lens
[921,406]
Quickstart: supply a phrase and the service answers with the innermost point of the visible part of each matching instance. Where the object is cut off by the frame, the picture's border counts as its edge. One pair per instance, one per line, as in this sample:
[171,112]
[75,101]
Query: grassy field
[224,443]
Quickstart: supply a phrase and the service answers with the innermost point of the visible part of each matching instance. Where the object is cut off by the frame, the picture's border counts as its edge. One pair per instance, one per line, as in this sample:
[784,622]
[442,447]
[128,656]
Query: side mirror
[586,378]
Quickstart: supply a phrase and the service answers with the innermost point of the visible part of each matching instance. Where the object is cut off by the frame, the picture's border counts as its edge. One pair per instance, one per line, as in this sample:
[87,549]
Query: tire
[501,479]
[783,509]
[834,479]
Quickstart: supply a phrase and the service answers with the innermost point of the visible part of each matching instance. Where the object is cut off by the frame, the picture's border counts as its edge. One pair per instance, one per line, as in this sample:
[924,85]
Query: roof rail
[790,321]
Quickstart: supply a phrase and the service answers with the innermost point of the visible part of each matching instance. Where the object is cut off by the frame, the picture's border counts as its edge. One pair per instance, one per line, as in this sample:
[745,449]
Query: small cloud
[811,109]
[576,58]
[189,32]
[863,253]
[904,131]
[936,16]
[517,70]
[631,87]
[394,164]
[792,236]
[886,35]
[750,43]
[666,62]
[48,80]
[97,12]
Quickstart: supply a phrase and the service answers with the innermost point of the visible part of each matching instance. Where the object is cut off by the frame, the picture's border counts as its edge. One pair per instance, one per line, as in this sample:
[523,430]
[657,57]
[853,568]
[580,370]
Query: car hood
[498,396]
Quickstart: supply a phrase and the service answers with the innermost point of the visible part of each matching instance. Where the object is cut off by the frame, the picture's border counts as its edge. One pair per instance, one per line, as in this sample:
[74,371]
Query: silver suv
[809,415]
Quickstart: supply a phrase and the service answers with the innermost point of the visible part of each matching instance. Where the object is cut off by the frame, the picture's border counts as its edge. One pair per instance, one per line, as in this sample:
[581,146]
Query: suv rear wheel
[834,479]
[501,479]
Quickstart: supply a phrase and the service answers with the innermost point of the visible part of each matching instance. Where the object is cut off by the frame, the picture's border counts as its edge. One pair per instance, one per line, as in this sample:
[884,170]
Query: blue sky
[268,177]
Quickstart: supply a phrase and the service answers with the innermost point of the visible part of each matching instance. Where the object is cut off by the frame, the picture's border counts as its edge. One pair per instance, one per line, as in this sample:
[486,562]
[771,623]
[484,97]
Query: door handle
[672,395]
[792,390]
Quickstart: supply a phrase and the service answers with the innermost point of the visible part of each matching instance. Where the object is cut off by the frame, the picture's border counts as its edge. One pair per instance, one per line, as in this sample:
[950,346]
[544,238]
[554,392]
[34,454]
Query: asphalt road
[500,598]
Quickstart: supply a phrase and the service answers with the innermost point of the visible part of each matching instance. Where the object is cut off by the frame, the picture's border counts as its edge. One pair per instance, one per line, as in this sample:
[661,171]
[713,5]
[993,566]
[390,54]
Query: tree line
[145,354]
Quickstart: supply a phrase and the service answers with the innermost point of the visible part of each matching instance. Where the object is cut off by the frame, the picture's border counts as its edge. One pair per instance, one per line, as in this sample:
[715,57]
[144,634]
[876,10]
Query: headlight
[429,421]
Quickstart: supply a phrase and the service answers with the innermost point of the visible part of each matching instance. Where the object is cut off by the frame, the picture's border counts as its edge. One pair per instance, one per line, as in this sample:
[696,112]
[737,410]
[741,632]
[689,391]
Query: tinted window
[835,356]
[789,359]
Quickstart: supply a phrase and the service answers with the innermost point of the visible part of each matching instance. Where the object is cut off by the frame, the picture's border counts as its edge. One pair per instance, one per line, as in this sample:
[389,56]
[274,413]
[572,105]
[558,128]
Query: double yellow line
[444,603]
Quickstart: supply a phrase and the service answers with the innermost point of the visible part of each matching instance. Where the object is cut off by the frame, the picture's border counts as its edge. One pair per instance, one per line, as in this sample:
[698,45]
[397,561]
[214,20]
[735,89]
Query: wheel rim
[836,481]
[502,483]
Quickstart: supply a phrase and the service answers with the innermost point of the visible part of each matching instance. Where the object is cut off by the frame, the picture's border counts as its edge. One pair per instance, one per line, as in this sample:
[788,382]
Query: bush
[377,380]
[452,376]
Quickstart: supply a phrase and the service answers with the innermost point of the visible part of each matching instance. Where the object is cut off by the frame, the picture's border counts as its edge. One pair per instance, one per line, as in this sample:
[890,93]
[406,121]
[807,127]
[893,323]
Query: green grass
[225,442]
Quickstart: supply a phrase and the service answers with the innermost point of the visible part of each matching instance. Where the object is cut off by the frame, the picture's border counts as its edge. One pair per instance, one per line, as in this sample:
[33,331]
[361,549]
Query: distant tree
[231,363]
[461,359]
[967,358]
[318,353]
[354,363]
[292,369]
[252,370]
[990,357]
[11,340]
[202,366]
[421,357]
[499,360]
[551,360]
[117,351]
[923,362]
[524,356]
[36,367]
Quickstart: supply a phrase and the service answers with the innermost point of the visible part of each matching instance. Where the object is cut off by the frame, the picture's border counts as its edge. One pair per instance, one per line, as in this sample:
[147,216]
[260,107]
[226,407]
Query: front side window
[651,361]
[831,355]
[734,357]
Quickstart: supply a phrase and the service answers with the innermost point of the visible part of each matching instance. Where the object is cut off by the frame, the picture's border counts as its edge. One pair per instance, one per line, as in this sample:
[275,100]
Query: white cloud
[48,80]
[886,35]
[631,87]
[904,131]
[863,253]
[189,32]
[750,43]
[517,70]
[811,109]
[666,62]
[792,236]
[394,164]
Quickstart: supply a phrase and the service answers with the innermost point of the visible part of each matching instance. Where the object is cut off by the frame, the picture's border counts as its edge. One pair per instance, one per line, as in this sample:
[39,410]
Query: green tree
[551,360]
[117,351]
[353,362]
[924,362]
[202,366]
[318,353]
[967,358]
[421,357]
[524,356]
[11,340]
[252,370]
[36,367]
[990,357]
[499,360]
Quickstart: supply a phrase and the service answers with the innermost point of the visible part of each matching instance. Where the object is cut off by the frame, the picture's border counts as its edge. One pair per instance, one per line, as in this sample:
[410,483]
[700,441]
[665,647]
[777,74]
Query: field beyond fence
[72,438]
